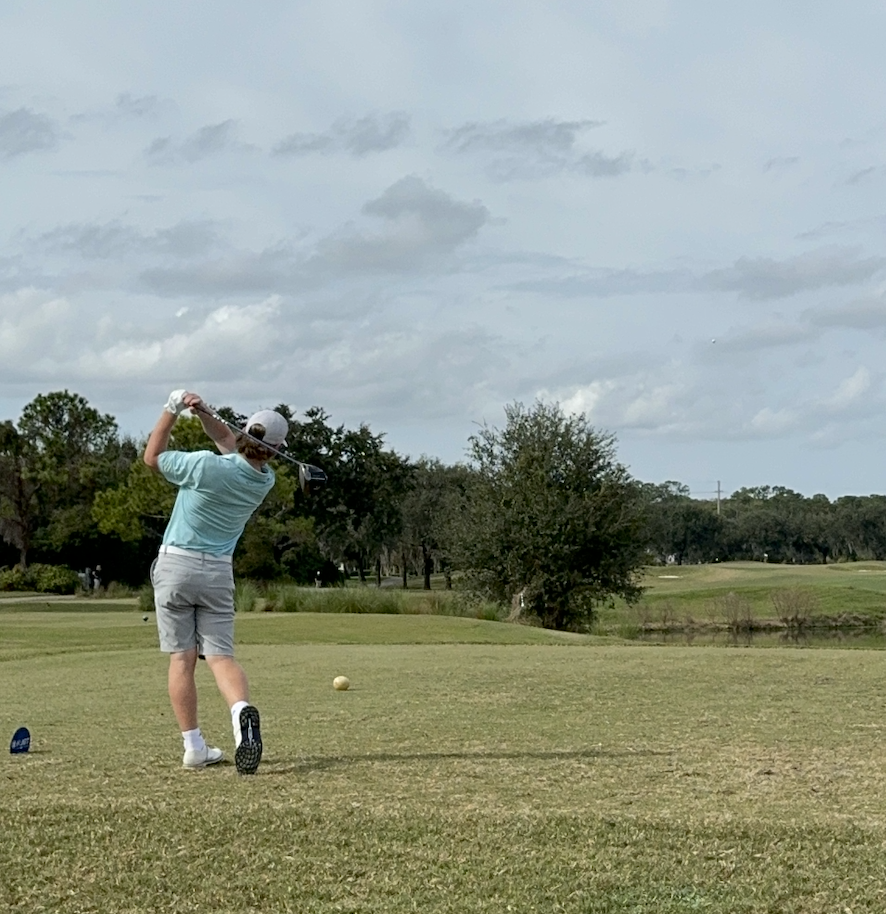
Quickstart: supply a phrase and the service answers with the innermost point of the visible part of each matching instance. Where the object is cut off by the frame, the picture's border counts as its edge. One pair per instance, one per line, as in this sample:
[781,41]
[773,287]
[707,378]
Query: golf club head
[310,478]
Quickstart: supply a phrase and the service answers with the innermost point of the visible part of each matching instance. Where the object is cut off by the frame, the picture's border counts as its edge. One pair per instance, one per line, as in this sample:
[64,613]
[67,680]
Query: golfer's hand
[176,402]
[193,402]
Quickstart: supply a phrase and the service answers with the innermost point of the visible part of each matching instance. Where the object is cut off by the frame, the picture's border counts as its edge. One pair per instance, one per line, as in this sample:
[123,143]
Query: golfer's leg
[232,683]
[183,688]
[230,678]
[215,629]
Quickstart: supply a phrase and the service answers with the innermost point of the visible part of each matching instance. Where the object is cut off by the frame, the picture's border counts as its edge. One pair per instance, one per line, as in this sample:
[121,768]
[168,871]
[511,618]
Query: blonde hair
[250,449]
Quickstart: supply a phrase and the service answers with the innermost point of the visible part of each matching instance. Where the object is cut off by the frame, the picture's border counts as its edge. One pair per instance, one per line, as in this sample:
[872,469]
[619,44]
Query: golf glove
[176,404]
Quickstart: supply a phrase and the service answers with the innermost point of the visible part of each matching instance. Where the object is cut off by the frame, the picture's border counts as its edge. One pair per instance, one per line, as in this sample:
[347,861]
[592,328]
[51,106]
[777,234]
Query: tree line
[764,523]
[540,515]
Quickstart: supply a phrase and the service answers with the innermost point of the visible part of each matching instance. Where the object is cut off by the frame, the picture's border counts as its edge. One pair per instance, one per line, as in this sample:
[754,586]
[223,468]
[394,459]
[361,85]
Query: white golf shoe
[200,758]
[249,744]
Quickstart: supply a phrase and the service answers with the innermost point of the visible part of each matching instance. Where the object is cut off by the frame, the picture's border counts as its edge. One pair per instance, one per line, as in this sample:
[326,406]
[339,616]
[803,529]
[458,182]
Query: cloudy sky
[667,214]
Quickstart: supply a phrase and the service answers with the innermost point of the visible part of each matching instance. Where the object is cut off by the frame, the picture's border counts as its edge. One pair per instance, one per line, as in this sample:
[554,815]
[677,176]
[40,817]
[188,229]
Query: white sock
[193,739]
[236,708]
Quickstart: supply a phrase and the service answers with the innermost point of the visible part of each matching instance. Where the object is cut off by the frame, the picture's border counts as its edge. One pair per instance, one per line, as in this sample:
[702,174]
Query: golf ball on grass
[341,683]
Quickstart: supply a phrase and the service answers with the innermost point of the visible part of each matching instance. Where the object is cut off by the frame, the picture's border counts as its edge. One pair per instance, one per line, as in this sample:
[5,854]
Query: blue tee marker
[21,741]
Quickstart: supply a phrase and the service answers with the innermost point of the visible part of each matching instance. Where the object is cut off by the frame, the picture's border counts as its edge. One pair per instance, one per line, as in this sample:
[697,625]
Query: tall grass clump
[245,596]
[341,600]
[293,599]
[116,591]
[467,605]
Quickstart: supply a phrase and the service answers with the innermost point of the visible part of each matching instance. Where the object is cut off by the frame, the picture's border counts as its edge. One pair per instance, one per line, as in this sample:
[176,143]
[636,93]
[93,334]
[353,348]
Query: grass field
[472,767]
[678,597]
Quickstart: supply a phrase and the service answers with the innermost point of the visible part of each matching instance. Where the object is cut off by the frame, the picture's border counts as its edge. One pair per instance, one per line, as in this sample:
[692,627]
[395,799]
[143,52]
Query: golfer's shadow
[325,763]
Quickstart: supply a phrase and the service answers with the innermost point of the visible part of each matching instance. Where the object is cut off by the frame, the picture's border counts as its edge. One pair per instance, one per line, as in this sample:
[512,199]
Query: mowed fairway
[689,594]
[472,767]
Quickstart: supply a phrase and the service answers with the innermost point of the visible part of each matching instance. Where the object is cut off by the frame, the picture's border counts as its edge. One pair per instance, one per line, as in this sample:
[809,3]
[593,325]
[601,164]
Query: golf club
[310,478]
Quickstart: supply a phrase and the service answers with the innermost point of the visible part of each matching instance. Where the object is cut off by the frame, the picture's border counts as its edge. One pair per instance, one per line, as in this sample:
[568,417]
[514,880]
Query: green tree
[860,526]
[140,506]
[357,516]
[680,526]
[776,524]
[18,492]
[820,531]
[61,455]
[427,509]
[551,520]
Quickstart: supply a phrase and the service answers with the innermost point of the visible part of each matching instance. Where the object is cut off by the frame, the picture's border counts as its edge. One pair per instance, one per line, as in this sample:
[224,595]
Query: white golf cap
[276,427]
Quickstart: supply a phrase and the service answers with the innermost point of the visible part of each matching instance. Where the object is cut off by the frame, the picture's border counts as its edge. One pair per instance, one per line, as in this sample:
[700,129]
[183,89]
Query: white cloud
[778,163]
[232,341]
[535,149]
[755,278]
[769,422]
[211,140]
[422,226]
[36,332]
[117,240]
[865,314]
[23,131]
[138,106]
[354,136]
[850,391]
[764,278]
[651,406]
[641,400]
[542,139]
[587,399]
[126,107]
[768,335]
[599,165]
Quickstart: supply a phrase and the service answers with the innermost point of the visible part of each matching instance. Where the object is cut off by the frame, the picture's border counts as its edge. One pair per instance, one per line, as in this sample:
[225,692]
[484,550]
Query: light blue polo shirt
[217,494]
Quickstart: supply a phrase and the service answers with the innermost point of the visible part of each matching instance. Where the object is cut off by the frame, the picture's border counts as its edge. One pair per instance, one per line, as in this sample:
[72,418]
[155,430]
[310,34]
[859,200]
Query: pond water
[863,639]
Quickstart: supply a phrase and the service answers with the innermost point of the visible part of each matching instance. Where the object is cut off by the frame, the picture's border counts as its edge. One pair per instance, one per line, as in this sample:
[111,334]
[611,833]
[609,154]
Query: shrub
[794,608]
[146,599]
[668,617]
[737,611]
[55,579]
[17,578]
[42,578]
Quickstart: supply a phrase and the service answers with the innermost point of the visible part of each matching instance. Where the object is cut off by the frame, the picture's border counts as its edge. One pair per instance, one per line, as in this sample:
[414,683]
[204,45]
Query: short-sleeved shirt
[216,497]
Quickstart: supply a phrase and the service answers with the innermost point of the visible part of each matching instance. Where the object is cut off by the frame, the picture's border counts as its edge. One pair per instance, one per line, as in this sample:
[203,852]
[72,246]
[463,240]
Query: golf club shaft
[209,411]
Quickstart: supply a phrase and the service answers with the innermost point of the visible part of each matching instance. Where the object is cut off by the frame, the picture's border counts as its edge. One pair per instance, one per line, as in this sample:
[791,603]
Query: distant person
[193,577]
[88,580]
[97,579]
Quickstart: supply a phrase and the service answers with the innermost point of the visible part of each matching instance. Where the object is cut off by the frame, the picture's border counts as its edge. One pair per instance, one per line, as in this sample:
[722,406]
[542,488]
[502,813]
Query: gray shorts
[194,599]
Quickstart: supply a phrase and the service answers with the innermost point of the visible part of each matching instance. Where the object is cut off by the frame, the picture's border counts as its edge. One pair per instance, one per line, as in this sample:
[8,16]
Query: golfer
[192,576]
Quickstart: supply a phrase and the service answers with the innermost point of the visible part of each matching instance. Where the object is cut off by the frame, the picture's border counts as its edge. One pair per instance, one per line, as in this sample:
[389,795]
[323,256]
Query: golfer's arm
[224,438]
[219,432]
[158,441]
